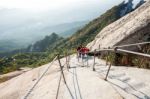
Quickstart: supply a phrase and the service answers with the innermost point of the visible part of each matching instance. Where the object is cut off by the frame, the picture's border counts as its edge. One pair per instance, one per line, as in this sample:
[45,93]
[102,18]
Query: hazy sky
[26,15]
[41,5]
[60,10]
[23,18]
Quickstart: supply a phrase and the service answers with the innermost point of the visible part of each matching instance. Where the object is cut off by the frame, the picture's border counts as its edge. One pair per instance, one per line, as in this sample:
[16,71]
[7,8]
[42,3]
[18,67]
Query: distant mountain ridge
[49,42]
[32,34]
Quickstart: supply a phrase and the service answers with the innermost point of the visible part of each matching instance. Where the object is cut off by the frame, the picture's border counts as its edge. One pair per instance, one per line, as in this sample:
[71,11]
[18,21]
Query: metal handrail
[116,49]
[132,52]
[135,44]
[126,51]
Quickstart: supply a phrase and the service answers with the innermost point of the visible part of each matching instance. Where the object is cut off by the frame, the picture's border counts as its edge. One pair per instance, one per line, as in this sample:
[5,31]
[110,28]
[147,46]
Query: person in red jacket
[84,51]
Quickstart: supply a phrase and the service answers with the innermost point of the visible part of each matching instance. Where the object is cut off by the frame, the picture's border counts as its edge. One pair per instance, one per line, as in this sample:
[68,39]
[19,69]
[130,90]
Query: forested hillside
[32,56]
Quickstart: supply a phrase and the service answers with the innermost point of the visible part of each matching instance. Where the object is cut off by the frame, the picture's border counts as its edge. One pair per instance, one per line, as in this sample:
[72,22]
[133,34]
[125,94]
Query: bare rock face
[132,28]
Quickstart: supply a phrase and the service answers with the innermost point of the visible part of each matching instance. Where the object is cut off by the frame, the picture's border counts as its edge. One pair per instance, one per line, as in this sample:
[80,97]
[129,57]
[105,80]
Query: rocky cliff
[132,28]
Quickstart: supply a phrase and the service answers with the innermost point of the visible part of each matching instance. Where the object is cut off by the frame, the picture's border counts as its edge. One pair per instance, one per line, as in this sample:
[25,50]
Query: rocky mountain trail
[81,82]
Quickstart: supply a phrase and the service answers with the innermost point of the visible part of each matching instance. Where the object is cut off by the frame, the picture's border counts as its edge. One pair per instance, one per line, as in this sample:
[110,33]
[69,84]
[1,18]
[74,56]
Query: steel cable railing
[61,69]
[31,89]
[117,50]
[62,76]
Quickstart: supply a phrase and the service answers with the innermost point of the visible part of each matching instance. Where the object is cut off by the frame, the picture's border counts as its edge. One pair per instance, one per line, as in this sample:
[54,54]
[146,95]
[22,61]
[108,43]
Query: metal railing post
[108,71]
[115,49]
[61,68]
[94,61]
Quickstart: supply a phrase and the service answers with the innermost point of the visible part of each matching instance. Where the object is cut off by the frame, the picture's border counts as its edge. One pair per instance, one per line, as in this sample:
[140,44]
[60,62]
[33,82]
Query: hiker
[84,51]
[79,51]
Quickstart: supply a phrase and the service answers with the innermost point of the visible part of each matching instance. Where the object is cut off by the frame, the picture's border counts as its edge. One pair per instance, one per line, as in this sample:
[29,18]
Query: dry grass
[3,79]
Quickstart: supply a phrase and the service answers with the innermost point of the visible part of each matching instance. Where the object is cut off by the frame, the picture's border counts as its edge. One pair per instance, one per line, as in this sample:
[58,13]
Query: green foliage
[21,60]
[111,57]
[143,62]
[130,59]
[3,79]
